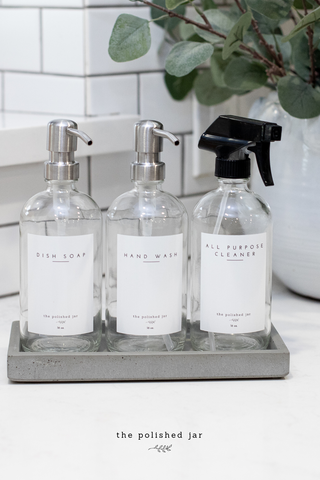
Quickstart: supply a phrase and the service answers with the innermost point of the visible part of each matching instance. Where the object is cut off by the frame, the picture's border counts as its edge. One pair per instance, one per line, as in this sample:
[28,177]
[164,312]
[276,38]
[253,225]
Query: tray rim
[15,355]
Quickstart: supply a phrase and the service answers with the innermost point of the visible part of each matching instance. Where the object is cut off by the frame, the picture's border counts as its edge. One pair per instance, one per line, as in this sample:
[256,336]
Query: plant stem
[277,57]
[273,69]
[312,78]
[242,10]
[187,20]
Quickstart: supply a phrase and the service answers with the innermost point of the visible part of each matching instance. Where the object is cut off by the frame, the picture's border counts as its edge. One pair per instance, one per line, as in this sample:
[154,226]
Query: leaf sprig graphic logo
[161,448]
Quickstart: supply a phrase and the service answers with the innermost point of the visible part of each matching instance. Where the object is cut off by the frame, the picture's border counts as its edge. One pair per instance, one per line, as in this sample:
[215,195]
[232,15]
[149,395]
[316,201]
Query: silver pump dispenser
[148,139]
[62,143]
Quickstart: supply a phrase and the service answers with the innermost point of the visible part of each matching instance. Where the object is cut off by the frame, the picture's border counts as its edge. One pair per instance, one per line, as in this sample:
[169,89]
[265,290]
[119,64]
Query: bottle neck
[61,186]
[148,187]
[233,182]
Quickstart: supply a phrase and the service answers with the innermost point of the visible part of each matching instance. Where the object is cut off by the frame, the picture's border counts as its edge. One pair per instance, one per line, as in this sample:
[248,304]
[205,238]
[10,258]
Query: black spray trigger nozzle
[262,153]
[232,138]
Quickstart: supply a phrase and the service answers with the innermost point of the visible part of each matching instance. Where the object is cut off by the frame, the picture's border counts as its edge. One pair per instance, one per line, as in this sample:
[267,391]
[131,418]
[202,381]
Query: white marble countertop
[250,429]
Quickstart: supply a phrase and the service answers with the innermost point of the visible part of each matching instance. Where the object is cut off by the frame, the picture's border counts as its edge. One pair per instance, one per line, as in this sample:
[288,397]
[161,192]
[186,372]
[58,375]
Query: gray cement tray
[110,367]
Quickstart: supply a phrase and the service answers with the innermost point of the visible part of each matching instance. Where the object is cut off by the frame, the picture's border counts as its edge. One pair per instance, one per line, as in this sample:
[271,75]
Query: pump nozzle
[149,136]
[80,134]
[164,134]
[231,138]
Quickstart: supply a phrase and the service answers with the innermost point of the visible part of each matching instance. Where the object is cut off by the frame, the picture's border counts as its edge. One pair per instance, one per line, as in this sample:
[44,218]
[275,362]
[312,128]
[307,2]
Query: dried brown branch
[187,20]
[242,10]
[277,57]
[312,78]
[293,18]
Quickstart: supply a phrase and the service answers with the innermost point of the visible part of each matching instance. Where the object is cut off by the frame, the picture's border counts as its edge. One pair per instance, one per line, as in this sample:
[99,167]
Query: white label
[60,284]
[233,283]
[149,295]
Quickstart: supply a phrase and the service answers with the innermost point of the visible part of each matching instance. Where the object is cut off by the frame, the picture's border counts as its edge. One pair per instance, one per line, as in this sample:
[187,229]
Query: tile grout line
[41,39]
[84,49]
[69,75]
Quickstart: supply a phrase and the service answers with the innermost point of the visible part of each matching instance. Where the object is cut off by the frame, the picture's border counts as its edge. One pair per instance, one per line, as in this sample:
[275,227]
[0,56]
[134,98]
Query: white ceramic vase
[295,197]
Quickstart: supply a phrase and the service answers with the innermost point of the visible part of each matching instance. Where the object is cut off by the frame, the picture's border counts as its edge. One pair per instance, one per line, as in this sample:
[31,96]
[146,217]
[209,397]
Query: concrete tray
[105,366]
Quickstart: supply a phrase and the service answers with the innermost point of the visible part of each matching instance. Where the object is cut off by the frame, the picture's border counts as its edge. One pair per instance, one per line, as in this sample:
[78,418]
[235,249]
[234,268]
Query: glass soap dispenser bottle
[61,255]
[146,232]
[231,242]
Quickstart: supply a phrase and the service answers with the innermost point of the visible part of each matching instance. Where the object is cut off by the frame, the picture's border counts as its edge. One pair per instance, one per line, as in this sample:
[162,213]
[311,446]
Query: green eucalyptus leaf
[221,21]
[186,56]
[218,67]
[316,34]
[274,9]
[299,98]
[266,25]
[241,74]
[207,93]
[167,23]
[299,4]
[186,30]
[130,38]
[276,41]
[309,19]
[172,4]
[179,87]
[235,37]
[300,55]
[208,4]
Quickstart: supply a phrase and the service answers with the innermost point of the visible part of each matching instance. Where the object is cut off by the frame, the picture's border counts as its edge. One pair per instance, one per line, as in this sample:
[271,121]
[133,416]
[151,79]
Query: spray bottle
[231,241]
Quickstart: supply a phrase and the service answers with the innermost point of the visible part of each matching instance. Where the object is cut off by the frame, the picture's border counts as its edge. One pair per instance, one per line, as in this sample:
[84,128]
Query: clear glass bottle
[146,278]
[231,259]
[61,255]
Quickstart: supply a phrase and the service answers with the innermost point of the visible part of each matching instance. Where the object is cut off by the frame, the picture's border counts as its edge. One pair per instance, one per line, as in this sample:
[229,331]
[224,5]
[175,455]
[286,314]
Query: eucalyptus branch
[277,57]
[187,20]
[312,78]
[273,69]
[293,18]
[242,10]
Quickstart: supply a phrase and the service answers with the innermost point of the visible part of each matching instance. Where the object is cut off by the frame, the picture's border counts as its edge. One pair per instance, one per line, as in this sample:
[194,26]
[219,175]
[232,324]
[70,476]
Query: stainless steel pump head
[62,138]
[148,139]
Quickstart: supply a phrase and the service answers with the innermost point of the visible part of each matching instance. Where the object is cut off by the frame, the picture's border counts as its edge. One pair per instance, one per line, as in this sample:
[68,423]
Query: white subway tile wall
[200,184]
[56,62]
[20,39]
[59,95]
[105,3]
[112,94]
[63,41]
[43,3]
[106,168]
[20,182]
[99,24]
[9,260]
[156,103]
